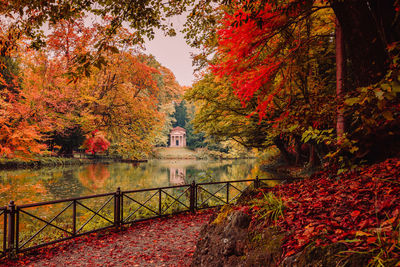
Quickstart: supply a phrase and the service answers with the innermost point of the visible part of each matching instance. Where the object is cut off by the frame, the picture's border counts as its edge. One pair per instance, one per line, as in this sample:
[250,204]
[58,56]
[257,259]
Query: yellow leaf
[361,233]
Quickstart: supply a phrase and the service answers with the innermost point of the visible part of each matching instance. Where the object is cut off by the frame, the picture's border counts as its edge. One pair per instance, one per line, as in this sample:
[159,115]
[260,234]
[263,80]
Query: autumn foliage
[52,98]
[96,143]
[358,209]
[279,60]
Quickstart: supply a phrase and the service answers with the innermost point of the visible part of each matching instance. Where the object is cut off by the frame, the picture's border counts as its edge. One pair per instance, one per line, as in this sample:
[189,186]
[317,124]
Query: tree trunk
[367,27]
[340,74]
[281,146]
[298,149]
[312,162]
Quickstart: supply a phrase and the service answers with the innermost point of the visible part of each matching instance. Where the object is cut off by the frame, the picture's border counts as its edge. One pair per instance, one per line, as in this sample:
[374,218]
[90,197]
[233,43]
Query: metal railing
[75,217]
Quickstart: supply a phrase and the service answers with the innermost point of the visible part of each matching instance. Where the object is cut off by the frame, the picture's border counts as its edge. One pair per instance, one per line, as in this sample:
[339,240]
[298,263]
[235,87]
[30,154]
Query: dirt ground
[167,241]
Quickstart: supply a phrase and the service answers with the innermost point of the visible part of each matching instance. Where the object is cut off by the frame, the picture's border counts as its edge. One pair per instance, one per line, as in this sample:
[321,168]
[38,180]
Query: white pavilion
[178,137]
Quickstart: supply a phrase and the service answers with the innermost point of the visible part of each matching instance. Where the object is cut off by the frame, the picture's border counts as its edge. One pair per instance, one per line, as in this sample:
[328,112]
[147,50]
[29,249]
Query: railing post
[159,202]
[11,229]
[193,197]
[5,231]
[16,245]
[117,208]
[121,208]
[257,182]
[74,218]
[227,193]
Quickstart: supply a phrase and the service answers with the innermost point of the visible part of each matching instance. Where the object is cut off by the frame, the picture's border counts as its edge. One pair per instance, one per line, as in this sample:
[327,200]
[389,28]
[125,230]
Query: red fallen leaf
[338,231]
[395,213]
[363,224]
[290,252]
[371,239]
[355,213]
[245,209]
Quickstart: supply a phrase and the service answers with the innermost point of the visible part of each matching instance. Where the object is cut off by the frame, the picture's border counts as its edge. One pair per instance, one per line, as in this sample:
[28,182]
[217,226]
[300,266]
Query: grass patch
[175,153]
[269,207]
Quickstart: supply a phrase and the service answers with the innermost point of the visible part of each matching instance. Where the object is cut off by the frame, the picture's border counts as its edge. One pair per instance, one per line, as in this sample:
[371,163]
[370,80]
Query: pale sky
[173,53]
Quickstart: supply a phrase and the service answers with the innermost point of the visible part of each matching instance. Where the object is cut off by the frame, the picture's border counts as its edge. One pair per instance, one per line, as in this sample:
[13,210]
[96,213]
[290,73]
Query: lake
[29,186]
[47,223]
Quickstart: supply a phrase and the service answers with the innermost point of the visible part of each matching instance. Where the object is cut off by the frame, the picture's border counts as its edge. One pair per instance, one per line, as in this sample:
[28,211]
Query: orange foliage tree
[122,97]
[20,134]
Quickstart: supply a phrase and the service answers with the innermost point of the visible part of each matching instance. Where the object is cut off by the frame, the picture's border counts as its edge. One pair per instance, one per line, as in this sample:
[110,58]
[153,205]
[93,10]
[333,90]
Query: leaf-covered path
[160,242]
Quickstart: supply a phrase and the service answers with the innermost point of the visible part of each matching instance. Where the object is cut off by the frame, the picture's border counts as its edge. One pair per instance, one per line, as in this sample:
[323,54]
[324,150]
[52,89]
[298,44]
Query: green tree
[221,116]
[180,114]
[195,139]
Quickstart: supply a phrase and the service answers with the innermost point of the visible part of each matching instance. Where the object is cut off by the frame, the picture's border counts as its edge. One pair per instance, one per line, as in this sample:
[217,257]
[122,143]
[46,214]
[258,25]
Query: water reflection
[27,186]
[94,176]
[177,176]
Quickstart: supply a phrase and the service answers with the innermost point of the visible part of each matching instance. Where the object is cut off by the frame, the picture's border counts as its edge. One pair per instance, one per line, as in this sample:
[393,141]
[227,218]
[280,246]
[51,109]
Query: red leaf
[355,213]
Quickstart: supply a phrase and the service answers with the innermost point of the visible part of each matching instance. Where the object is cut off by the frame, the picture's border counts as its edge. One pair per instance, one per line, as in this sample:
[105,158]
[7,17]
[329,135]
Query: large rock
[231,238]
[222,243]
[228,242]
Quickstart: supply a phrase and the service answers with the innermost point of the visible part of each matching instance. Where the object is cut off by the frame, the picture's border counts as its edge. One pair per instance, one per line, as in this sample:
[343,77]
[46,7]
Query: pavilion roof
[178,129]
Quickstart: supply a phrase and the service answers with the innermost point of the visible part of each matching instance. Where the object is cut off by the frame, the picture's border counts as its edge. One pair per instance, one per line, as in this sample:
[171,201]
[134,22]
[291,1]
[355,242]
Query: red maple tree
[96,142]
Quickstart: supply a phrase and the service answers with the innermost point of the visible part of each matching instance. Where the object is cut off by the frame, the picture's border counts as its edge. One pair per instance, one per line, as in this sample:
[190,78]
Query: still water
[29,186]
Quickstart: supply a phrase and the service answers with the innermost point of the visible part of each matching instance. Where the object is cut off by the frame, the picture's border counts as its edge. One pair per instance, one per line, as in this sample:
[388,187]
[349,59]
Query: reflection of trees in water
[94,176]
[127,177]
[232,170]
[22,188]
[64,184]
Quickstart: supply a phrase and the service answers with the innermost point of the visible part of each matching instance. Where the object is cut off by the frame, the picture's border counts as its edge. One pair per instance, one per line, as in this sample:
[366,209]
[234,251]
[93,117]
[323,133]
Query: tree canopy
[277,57]
[47,105]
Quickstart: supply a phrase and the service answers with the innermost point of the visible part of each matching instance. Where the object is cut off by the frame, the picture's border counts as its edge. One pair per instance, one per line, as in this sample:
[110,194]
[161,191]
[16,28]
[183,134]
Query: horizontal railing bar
[280,179]
[155,188]
[144,190]
[63,200]
[225,182]
[248,180]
